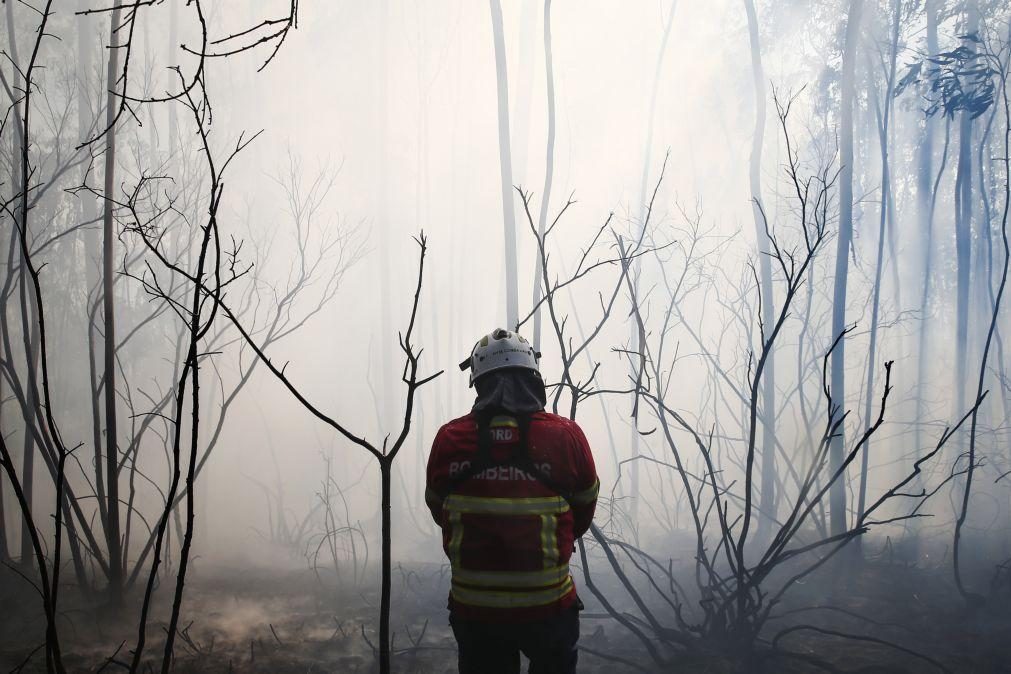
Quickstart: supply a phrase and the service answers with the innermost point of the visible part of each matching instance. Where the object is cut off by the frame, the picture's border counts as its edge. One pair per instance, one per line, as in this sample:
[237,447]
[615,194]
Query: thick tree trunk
[505,166]
[112,532]
[837,496]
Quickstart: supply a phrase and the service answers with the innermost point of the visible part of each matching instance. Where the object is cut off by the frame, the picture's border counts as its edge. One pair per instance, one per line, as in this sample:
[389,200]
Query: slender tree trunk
[972,599]
[149,58]
[385,468]
[523,91]
[383,217]
[837,496]
[963,234]
[982,275]
[109,324]
[421,216]
[186,541]
[886,187]
[5,555]
[89,213]
[926,188]
[4,548]
[989,191]
[196,319]
[20,186]
[29,324]
[767,503]
[549,166]
[505,166]
[173,45]
[637,337]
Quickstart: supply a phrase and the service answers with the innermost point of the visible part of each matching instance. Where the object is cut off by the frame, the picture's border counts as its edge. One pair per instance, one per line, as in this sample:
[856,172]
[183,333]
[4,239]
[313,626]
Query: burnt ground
[282,622]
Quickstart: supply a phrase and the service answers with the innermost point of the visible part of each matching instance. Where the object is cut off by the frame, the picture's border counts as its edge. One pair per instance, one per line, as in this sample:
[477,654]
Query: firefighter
[512,487]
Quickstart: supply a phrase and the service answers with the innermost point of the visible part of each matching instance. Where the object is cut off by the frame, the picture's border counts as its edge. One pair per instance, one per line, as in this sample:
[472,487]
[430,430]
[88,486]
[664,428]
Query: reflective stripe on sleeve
[481,505]
[549,540]
[587,495]
[455,538]
[492,599]
[518,579]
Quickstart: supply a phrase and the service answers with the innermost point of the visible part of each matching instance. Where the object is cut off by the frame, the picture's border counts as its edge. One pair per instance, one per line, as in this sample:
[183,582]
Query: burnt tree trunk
[112,534]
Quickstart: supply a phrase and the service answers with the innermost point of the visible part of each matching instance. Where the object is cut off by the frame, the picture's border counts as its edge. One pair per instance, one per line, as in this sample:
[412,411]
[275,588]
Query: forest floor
[281,622]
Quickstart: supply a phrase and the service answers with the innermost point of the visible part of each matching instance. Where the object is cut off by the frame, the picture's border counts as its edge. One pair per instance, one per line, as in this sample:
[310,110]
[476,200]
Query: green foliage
[960,80]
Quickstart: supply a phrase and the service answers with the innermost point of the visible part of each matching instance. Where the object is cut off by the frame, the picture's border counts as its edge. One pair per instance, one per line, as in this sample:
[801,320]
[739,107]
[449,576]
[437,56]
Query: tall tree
[837,497]
[767,502]
[384,220]
[638,336]
[523,91]
[112,529]
[173,45]
[549,165]
[884,115]
[1003,63]
[505,166]
[963,226]
[5,555]
[88,212]
[926,198]
[26,299]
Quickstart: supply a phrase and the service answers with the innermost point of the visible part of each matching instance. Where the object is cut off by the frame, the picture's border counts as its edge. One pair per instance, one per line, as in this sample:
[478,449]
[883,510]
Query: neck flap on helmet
[513,390]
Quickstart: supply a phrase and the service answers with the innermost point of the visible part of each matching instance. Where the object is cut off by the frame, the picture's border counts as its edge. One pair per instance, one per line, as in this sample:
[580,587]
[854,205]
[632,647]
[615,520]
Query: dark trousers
[487,648]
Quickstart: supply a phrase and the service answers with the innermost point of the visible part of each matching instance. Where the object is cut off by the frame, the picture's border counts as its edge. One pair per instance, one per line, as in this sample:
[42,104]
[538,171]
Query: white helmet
[498,350]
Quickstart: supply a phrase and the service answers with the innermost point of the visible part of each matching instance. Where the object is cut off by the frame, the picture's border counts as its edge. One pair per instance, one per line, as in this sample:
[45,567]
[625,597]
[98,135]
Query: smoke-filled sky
[382,118]
[396,103]
[401,98]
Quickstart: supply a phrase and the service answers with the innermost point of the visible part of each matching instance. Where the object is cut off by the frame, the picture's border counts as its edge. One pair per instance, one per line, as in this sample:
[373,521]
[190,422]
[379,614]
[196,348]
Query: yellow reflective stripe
[549,540]
[432,498]
[455,538]
[492,599]
[587,495]
[527,579]
[481,505]
[500,422]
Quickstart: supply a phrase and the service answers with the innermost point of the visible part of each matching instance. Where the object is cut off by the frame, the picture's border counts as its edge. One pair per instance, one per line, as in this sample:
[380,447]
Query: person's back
[512,487]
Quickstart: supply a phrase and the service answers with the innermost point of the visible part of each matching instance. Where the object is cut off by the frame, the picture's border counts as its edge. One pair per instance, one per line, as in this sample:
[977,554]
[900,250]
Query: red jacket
[508,535]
